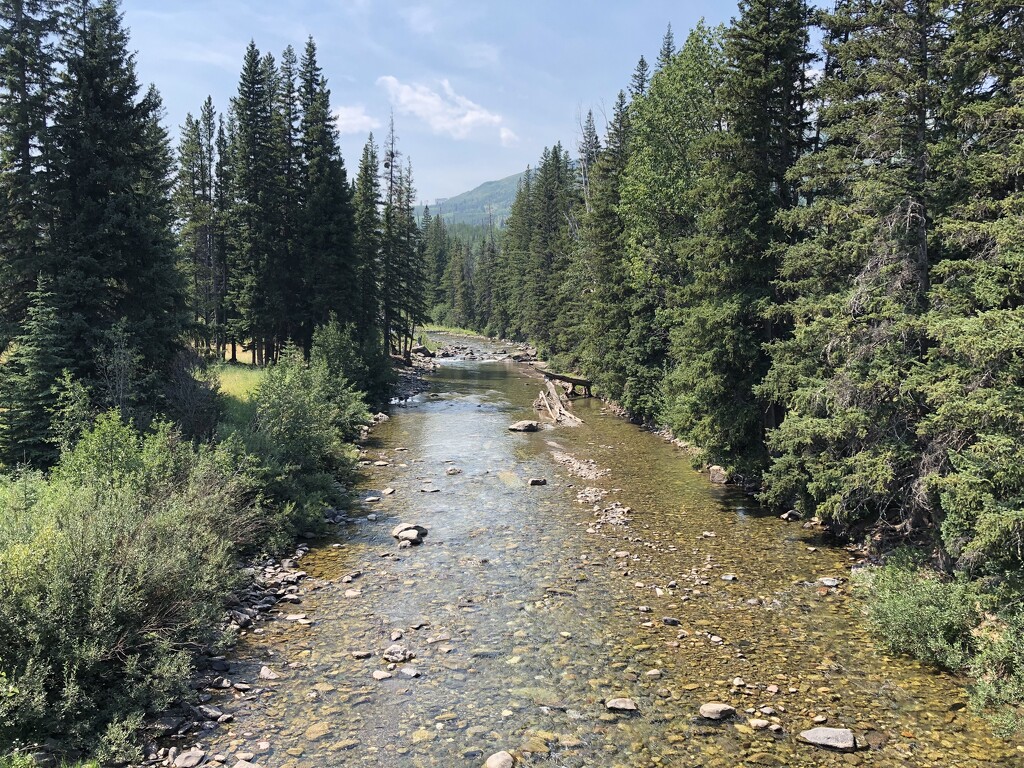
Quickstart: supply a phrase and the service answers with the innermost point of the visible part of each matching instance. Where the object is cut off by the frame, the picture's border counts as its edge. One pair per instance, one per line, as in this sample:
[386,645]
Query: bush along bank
[117,566]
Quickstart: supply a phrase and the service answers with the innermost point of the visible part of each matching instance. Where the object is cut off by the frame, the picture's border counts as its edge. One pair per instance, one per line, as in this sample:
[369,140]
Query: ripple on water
[523,623]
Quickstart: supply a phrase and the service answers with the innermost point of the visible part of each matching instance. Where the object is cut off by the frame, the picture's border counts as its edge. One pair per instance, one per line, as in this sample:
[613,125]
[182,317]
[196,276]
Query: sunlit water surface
[525,615]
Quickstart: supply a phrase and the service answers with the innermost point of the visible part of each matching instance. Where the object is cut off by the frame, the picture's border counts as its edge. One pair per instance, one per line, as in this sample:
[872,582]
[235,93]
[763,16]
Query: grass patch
[237,383]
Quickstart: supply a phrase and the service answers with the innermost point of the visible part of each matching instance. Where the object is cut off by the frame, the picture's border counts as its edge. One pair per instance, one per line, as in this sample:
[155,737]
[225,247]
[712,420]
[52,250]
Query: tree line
[807,261]
[120,256]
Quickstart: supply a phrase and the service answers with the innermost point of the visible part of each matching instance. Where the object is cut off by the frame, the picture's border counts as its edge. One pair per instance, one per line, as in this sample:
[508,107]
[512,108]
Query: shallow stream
[526,610]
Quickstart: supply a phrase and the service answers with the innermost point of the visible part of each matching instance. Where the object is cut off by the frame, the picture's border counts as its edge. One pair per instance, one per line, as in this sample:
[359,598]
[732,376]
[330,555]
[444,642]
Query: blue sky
[477,88]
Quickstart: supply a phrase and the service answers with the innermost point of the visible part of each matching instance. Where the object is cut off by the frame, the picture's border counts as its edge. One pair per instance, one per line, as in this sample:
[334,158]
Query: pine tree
[113,256]
[974,377]
[668,49]
[857,281]
[195,211]
[330,270]
[658,208]
[587,152]
[730,258]
[641,78]
[606,294]
[254,215]
[367,200]
[28,383]
[27,96]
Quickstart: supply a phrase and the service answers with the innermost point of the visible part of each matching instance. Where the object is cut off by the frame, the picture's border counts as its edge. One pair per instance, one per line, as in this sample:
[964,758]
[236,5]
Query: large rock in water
[621,704]
[414,534]
[841,739]
[716,710]
[500,760]
[523,426]
[189,759]
[718,475]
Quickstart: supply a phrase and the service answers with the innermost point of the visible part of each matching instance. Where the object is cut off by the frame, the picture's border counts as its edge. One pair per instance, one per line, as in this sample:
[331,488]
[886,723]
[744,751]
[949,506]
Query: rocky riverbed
[625,613]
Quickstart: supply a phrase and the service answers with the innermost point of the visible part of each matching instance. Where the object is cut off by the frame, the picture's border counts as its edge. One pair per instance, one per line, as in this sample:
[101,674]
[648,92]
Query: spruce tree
[329,267]
[254,215]
[973,381]
[27,100]
[367,225]
[605,290]
[857,279]
[731,254]
[28,382]
[113,257]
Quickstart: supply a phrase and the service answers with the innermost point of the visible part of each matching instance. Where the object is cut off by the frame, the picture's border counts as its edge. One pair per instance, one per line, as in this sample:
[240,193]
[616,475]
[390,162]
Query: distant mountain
[491,200]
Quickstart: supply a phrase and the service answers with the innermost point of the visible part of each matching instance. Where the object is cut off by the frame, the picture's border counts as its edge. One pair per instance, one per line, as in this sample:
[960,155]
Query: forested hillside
[486,205]
[807,263]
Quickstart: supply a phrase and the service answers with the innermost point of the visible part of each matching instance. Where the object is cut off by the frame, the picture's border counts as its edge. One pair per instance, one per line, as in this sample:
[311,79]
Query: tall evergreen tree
[731,257]
[367,201]
[255,210]
[330,270]
[973,381]
[27,98]
[112,260]
[195,210]
[857,281]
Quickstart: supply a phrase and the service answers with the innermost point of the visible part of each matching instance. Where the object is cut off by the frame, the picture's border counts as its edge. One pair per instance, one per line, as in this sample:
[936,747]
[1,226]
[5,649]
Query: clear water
[524,615]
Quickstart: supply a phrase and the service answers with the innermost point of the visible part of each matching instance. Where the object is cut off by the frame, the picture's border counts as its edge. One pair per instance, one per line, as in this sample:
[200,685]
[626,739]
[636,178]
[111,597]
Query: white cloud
[508,137]
[444,111]
[354,119]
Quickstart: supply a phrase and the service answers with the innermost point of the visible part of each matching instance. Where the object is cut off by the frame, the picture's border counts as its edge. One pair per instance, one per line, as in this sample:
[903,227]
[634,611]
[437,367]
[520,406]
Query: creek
[529,607]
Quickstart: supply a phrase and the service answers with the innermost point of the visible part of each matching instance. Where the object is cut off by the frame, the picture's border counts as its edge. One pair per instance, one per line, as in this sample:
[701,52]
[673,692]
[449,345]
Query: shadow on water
[526,614]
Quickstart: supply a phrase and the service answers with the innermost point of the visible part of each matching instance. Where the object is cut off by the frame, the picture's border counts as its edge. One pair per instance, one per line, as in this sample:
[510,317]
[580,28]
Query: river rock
[828,581]
[537,481]
[716,710]
[317,731]
[408,532]
[398,653]
[246,764]
[523,426]
[841,739]
[380,674]
[790,517]
[266,673]
[500,760]
[718,475]
[758,724]
[189,759]
[621,704]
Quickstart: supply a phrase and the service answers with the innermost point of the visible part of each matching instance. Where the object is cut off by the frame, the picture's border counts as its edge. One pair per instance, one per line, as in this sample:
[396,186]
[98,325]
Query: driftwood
[552,402]
[573,381]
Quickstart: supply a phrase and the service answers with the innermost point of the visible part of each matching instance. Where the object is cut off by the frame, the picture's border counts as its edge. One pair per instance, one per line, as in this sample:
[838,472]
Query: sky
[477,89]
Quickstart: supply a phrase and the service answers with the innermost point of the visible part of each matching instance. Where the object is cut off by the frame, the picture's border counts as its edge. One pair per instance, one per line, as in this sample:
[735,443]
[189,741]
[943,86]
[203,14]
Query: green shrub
[112,572]
[998,670]
[917,613]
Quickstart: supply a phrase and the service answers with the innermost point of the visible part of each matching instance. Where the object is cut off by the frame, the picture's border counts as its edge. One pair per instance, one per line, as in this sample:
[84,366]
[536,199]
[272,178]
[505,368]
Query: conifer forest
[794,243]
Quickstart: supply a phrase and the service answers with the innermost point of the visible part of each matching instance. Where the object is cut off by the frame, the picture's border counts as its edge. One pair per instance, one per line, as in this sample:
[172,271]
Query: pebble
[537,481]
[380,674]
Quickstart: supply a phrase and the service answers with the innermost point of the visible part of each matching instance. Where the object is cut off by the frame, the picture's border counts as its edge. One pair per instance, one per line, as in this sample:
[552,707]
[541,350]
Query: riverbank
[528,609]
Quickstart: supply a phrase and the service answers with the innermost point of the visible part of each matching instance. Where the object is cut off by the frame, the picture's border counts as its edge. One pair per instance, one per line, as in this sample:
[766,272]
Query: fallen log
[551,401]
[575,381]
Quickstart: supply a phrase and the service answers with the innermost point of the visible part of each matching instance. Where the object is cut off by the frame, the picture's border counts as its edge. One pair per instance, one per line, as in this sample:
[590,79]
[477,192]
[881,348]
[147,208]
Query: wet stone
[841,739]
[716,710]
